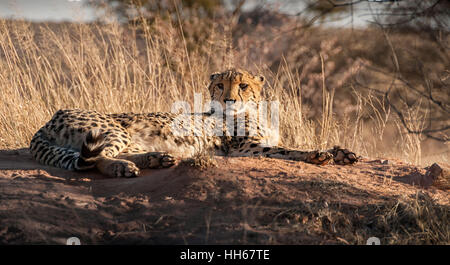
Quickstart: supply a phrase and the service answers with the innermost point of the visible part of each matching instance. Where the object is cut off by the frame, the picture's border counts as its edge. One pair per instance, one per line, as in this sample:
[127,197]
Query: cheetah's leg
[150,159]
[313,157]
[107,162]
[136,154]
[117,167]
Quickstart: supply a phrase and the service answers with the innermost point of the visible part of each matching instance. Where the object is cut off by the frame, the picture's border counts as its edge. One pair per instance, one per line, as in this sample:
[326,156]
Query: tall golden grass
[115,68]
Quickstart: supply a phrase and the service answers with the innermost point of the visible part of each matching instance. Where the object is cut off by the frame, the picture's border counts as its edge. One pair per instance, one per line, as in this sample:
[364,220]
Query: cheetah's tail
[92,146]
[44,150]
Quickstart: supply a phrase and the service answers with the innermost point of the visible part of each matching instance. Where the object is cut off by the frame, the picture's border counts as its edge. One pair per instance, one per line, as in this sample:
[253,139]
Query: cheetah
[120,145]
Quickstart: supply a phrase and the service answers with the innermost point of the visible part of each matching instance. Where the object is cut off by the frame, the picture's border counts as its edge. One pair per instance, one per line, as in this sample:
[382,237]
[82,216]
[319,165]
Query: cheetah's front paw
[343,156]
[166,160]
[124,169]
[160,160]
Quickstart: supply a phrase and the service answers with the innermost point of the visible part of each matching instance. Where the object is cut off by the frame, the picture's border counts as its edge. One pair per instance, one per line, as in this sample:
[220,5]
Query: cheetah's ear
[214,76]
[261,78]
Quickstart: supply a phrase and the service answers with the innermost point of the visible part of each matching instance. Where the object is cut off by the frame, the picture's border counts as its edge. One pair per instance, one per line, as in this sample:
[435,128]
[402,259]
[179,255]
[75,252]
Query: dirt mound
[241,201]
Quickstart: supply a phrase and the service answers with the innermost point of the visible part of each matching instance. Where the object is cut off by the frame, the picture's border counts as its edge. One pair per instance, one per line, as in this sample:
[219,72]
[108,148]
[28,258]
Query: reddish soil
[241,201]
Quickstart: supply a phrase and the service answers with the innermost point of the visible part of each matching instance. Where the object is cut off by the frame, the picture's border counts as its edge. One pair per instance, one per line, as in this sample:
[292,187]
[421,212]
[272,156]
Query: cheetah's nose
[230,100]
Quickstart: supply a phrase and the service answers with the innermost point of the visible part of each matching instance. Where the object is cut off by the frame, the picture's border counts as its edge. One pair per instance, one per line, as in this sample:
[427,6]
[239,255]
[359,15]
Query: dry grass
[114,68]
[404,221]
[202,160]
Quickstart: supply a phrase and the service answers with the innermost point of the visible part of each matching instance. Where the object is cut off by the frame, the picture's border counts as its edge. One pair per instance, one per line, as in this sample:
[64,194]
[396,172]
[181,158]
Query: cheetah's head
[235,87]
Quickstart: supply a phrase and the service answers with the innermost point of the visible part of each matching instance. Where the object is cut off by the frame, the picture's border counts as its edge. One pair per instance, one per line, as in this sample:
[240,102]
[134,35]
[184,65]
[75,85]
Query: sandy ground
[241,201]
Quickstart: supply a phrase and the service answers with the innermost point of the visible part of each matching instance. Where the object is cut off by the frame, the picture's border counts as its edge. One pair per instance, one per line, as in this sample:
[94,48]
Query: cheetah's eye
[243,86]
[220,86]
